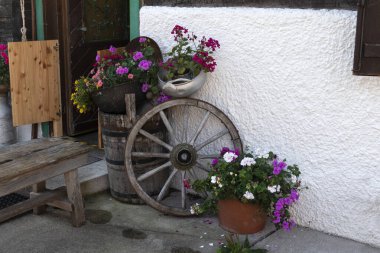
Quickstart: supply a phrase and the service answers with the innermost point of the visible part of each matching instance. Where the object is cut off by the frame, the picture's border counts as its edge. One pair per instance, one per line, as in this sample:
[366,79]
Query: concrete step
[93,178]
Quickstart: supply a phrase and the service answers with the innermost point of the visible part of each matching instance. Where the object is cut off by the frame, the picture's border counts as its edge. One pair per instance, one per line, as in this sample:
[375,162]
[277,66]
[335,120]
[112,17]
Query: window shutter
[367,48]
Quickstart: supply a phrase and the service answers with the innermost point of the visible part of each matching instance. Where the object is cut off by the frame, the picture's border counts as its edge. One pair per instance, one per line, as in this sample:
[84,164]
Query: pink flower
[97,58]
[186,184]
[142,39]
[99,83]
[130,76]
[3,47]
[145,87]
[145,64]
[122,70]
[5,57]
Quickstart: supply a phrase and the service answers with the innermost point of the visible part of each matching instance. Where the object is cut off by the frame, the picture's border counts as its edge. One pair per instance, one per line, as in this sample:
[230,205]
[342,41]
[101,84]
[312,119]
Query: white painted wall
[284,77]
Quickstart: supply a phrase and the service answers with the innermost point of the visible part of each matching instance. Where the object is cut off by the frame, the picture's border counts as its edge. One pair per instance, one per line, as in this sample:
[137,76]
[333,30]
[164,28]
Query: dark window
[367,49]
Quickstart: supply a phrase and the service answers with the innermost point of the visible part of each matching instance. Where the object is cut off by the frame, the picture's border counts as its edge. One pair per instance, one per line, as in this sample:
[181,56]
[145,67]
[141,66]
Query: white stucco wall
[284,77]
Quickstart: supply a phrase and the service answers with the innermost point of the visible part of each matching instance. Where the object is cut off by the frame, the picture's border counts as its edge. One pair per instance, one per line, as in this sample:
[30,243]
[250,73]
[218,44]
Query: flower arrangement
[250,178]
[119,68]
[189,55]
[4,65]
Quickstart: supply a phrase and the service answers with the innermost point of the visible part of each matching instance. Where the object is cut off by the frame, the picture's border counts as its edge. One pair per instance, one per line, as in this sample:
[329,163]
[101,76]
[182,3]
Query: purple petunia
[122,70]
[294,195]
[278,166]
[145,87]
[137,56]
[145,64]
[112,49]
[163,98]
[142,39]
[214,161]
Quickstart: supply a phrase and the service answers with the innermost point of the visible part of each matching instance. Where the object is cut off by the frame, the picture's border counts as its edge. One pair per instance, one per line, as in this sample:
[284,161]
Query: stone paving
[114,227]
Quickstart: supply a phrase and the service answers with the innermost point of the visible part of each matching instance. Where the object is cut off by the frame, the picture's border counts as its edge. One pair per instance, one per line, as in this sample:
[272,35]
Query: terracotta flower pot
[239,218]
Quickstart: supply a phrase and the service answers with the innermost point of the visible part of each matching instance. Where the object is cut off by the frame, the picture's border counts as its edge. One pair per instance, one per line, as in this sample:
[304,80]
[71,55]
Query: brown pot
[239,218]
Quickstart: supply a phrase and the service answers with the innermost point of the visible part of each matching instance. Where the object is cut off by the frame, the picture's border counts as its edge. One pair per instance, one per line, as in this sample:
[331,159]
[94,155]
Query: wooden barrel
[115,129]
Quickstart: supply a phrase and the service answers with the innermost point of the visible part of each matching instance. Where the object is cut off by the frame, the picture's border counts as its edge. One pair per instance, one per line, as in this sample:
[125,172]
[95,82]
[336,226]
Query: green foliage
[233,245]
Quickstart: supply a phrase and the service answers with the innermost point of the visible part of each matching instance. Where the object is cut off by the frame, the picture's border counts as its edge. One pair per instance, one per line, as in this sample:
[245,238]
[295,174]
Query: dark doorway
[83,27]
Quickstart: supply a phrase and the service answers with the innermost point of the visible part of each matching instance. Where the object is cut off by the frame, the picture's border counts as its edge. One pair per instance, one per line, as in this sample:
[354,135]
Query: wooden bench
[32,163]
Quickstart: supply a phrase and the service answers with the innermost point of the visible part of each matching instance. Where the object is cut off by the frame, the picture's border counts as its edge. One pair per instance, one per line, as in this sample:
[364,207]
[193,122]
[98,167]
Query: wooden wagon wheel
[196,132]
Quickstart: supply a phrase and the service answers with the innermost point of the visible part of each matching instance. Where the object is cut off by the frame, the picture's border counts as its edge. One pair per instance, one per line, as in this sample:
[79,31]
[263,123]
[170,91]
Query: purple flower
[163,98]
[97,58]
[277,220]
[214,162]
[122,70]
[286,226]
[278,166]
[145,87]
[145,64]
[288,201]
[294,195]
[224,150]
[137,56]
[142,39]
[279,204]
[112,49]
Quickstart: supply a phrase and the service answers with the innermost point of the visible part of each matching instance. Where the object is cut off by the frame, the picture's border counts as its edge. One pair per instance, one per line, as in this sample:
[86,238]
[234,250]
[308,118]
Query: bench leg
[37,188]
[75,197]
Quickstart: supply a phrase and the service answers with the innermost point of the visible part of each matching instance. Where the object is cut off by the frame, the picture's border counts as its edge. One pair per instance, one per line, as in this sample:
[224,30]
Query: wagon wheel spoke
[168,126]
[183,190]
[212,139]
[210,156]
[166,185]
[195,177]
[200,127]
[202,166]
[185,124]
[155,139]
[154,171]
[150,155]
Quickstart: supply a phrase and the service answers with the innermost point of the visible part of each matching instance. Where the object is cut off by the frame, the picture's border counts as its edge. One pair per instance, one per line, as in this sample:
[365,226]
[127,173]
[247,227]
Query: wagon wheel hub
[183,156]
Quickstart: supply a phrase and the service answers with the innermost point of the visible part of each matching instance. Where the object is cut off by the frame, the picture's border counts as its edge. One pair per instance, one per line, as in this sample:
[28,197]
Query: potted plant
[116,74]
[189,60]
[245,188]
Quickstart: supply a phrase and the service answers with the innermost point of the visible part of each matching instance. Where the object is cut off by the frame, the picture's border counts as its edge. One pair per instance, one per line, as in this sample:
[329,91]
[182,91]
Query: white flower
[274,188]
[294,179]
[229,157]
[211,244]
[231,173]
[248,195]
[213,179]
[194,209]
[220,185]
[247,161]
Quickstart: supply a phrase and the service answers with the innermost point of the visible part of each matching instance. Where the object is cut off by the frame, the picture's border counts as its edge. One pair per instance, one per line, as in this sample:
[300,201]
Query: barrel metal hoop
[113,162]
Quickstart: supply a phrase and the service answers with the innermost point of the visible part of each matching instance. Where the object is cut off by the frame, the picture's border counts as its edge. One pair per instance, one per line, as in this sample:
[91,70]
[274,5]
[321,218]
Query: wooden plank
[61,202]
[25,148]
[29,204]
[21,181]
[75,197]
[34,75]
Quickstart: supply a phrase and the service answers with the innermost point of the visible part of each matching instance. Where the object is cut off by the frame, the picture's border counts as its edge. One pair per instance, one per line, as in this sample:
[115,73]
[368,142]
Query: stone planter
[239,218]
[7,131]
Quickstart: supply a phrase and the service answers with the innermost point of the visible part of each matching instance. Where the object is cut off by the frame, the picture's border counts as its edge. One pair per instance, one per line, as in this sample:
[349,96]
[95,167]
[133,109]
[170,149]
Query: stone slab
[304,240]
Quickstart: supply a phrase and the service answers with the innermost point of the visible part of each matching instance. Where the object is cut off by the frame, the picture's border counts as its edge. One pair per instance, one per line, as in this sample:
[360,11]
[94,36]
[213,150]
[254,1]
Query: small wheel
[196,131]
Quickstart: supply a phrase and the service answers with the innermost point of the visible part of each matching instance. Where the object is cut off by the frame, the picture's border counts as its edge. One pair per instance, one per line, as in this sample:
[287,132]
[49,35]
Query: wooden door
[86,26]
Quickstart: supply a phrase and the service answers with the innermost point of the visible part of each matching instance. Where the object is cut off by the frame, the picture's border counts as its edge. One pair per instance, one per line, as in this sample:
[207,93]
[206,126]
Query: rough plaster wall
[284,77]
